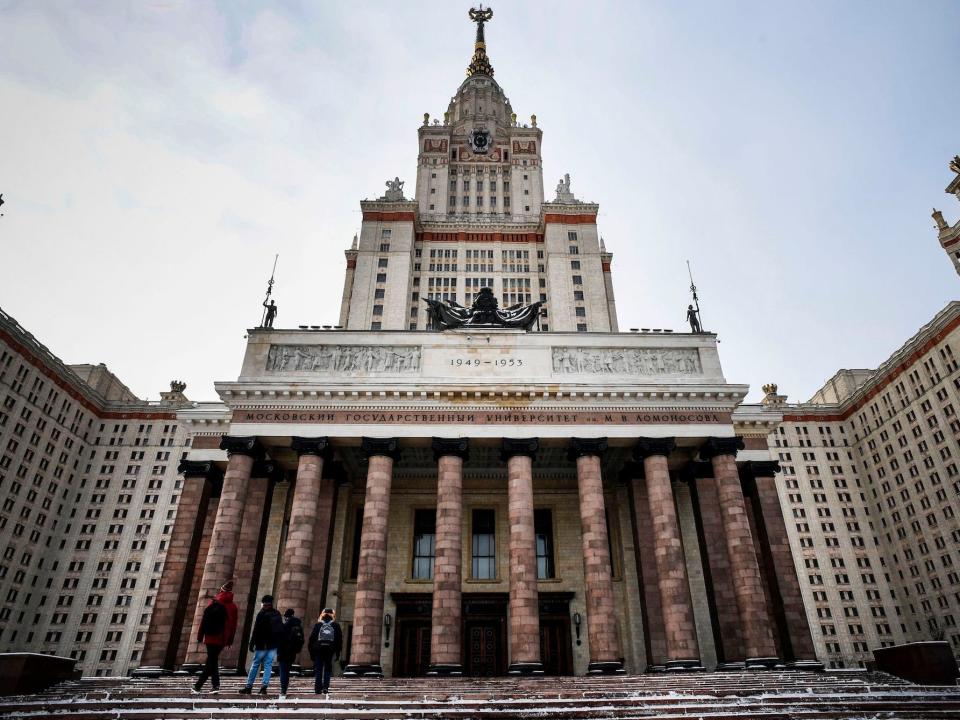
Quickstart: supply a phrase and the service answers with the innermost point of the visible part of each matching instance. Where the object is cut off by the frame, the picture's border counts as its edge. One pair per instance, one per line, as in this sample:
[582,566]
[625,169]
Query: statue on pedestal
[394,191]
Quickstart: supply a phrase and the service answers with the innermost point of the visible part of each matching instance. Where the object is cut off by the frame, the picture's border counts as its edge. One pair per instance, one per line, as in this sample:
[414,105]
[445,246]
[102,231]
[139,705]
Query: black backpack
[277,629]
[327,634]
[294,638]
[214,620]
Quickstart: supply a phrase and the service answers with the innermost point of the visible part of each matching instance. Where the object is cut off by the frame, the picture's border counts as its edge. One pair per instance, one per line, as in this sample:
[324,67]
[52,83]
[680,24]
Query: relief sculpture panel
[626,361]
[395,359]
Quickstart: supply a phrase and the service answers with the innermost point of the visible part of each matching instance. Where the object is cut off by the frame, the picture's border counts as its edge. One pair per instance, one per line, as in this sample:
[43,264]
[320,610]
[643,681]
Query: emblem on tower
[480,140]
[480,63]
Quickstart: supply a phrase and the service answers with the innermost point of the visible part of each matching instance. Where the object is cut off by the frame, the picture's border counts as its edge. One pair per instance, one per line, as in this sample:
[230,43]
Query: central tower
[478,219]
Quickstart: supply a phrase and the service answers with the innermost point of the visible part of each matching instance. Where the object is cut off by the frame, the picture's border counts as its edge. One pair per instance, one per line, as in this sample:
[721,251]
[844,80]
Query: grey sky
[154,156]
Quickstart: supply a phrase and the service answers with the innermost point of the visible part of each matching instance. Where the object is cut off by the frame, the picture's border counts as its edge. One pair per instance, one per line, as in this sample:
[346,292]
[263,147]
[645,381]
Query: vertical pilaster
[221,557]
[745,571]
[173,594]
[679,624]
[524,600]
[446,645]
[299,560]
[793,626]
[603,636]
[372,571]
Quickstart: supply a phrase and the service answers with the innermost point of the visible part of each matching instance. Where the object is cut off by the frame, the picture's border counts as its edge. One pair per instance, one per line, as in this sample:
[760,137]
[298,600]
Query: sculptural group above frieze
[626,361]
[344,358]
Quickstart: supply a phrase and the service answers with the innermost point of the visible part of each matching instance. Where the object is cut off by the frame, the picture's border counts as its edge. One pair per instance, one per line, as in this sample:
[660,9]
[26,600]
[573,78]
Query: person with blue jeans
[267,636]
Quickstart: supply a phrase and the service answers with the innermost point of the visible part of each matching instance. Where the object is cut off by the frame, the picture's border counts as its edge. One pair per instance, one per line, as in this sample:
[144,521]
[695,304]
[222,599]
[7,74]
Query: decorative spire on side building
[480,63]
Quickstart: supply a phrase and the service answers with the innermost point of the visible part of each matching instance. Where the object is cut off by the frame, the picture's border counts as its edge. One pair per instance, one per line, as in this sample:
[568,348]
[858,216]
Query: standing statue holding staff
[269,305]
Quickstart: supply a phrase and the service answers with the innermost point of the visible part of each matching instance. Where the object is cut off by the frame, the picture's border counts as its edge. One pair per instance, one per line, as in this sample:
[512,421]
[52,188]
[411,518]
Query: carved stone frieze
[344,359]
[626,361]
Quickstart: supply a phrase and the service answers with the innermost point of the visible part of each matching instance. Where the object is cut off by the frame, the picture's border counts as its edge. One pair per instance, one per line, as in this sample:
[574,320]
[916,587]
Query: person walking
[290,648]
[218,626]
[264,641]
[326,641]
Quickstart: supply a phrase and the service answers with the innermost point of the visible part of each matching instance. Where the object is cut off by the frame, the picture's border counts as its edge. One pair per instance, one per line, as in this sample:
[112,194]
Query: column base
[150,671]
[445,669]
[762,663]
[813,665]
[610,667]
[656,668]
[191,668]
[684,666]
[731,666]
[525,668]
[368,671]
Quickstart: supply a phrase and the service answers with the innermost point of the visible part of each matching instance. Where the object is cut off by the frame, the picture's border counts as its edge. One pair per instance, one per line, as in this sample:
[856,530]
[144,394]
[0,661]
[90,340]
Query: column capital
[269,469]
[721,446]
[236,445]
[760,468]
[319,446]
[579,447]
[646,447]
[451,446]
[519,446]
[199,468]
[388,447]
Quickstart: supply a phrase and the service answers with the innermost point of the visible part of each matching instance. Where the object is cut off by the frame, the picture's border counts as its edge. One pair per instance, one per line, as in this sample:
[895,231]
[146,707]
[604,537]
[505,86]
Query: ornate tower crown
[480,63]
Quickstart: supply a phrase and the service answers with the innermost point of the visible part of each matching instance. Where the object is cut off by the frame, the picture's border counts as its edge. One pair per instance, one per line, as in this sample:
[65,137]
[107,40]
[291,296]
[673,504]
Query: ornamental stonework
[344,359]
[626,361]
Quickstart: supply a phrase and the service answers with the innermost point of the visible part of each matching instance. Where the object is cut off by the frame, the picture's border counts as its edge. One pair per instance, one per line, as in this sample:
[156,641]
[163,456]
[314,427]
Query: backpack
[327,635]
[214,620]
[277,629]
[295,638]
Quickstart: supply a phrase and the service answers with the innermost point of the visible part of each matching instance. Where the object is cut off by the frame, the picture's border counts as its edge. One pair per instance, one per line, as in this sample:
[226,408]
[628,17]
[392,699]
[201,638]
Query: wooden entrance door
[485,634]
[556,653]
[411,655]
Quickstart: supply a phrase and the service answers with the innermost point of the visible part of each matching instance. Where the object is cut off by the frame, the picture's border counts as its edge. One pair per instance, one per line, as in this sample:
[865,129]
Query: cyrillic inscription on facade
[626,361]
[343,359]
[482,417]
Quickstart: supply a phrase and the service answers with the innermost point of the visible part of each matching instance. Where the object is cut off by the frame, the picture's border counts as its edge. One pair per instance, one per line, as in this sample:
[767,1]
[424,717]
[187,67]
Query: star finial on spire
[480,63]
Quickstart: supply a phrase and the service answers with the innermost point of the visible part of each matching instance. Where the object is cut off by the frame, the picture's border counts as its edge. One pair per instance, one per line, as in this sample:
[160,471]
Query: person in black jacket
[266,638]
[291,646]
[325,644]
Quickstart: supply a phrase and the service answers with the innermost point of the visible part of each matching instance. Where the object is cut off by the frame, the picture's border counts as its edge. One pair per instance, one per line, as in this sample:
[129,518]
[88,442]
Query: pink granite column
[524,599]
[744,570]
[173,594]
[679,626]
[221,557]
[787,596]
[446,648]
[299,560]
[253,530]
[603,635]
[372,570]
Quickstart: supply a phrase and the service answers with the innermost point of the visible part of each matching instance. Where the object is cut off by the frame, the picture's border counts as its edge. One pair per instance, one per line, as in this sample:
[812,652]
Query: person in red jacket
[217,628]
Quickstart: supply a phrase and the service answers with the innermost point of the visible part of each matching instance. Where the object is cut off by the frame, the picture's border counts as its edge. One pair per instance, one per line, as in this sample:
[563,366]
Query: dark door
[556,653]
[411,654]
[485,634]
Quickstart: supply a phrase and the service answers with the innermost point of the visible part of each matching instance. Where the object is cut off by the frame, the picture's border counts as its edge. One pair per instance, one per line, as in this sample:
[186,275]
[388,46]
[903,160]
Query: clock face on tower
[480,140]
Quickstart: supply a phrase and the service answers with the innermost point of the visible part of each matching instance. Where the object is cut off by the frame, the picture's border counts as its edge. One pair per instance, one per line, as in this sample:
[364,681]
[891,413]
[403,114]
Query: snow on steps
[720,696]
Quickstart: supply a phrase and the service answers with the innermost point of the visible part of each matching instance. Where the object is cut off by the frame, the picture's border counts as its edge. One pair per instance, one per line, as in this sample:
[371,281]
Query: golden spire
[480,63]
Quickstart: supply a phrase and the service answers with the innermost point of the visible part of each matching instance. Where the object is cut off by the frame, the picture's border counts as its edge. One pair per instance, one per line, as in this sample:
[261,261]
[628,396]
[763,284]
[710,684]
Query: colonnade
[671,618]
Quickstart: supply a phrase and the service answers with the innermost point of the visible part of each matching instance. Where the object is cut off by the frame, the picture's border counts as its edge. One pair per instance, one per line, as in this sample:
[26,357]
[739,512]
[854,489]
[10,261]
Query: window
[574,264]
[375,325]
[577,294]
[378,309]
[381,277]
[543,529]
[484,545]
[378,294]
[382,262]
[424,542]
[581,312]
[357,531]
[577,280]
[581,327]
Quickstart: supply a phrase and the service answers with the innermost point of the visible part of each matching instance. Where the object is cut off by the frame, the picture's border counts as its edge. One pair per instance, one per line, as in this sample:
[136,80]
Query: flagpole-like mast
[266,300]
[693,289]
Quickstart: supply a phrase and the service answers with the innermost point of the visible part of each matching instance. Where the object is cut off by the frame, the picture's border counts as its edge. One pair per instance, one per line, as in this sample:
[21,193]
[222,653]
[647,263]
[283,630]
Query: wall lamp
[577,621]
[387,623]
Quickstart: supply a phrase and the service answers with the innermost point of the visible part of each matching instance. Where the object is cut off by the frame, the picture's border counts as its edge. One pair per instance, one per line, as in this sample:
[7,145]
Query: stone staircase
[755,695]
